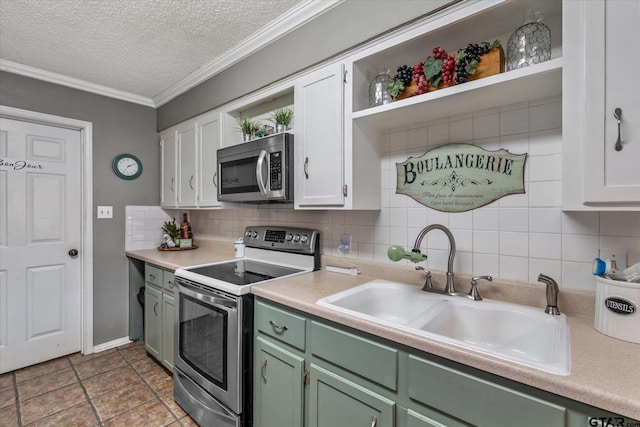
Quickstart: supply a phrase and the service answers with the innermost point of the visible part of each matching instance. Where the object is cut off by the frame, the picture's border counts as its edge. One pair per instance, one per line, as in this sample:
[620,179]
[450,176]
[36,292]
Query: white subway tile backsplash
[486,126]
[546,116]
[545,194]
[487,242]
[545,245]
[461,130]
[516,237]
[582,248]
[513,267]
[581,223]
[514,219]
[514,243]
[514,121]
[545,168]
[545,220]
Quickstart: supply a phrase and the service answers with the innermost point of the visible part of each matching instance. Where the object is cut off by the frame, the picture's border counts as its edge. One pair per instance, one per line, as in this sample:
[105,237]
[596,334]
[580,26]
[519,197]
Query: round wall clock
[127,166]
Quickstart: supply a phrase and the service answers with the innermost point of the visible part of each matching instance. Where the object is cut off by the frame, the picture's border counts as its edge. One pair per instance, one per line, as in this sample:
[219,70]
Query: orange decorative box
[491,63]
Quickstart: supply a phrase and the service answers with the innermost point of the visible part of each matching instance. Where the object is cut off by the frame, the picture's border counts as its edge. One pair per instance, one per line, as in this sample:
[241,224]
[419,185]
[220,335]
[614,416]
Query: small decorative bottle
[185,228]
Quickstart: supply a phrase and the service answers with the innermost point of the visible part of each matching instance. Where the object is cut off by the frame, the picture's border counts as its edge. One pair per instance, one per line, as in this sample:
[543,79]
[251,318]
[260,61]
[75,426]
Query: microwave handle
[259,166]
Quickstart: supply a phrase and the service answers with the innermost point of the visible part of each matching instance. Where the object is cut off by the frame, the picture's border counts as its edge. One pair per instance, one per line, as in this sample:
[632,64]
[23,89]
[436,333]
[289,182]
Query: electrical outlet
[617,255]
[105,211]
[345,245]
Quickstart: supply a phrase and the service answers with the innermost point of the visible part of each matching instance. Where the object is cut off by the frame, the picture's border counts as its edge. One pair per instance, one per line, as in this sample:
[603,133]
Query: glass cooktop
[243,271]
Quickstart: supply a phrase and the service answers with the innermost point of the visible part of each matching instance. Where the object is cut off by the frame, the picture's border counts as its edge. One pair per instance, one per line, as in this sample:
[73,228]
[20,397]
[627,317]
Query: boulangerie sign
[460,177]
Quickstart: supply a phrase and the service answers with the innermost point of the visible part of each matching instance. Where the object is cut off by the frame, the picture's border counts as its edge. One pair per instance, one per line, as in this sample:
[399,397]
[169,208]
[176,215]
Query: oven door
[208,341]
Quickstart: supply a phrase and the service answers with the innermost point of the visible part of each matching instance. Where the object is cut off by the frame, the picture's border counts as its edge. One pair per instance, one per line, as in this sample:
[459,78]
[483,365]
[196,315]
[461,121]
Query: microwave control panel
[275,171]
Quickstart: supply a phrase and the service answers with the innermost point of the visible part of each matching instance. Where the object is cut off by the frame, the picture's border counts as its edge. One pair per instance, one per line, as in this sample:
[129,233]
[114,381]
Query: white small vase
[281,128]
[247,137]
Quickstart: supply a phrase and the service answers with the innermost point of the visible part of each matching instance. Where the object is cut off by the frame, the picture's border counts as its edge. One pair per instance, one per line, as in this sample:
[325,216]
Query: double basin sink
[511,332]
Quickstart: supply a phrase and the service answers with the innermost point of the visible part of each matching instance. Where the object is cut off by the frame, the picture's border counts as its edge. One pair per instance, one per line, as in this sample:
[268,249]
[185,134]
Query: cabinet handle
[263,370]
[191,182]
[306,167]
[152,277]
[278,328]
[374,421]
[155,309]
[215,179]
[172,187]
[618,115]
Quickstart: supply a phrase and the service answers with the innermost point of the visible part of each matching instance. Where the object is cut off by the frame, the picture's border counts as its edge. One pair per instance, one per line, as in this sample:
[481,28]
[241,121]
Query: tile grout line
[153,390]
[86,393]
[14,382]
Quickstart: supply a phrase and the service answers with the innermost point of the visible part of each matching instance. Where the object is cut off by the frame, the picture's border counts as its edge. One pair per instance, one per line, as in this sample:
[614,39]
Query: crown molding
[290,21]
[37,73]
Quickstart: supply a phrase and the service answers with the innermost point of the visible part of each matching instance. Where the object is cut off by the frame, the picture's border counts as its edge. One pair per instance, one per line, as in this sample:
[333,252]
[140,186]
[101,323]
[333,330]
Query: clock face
[127,166]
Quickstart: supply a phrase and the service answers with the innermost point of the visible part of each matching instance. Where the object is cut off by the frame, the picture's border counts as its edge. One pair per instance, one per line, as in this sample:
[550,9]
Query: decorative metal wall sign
[460,177]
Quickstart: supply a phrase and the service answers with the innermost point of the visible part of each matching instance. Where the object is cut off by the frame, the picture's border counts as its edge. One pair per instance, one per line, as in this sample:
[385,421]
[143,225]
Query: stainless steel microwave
[257,171]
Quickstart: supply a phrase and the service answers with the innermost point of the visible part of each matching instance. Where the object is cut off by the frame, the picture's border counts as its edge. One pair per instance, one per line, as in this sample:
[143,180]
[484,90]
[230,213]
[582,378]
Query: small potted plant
[172,229]
[282,117]
[248,127]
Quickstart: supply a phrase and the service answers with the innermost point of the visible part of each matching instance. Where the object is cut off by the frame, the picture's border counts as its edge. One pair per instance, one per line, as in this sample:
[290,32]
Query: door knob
[73,253]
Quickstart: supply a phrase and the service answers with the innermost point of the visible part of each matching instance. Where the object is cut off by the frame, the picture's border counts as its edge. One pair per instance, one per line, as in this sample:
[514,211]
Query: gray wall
[346,25]
[118,127]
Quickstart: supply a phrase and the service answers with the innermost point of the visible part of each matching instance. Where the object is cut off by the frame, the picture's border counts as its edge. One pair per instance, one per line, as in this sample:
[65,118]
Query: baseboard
[111,344]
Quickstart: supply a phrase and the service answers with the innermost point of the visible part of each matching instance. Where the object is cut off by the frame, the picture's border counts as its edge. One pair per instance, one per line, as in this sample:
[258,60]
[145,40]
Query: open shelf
[525,84]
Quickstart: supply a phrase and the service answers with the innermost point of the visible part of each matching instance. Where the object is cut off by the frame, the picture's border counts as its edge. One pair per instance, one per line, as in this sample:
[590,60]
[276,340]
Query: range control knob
[304,238]
[247,233]
[254,234]
[289,237]
[296,238]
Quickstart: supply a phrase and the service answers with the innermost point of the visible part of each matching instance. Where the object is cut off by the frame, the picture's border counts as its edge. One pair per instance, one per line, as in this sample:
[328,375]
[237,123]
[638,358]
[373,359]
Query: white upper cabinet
[168,170]
[601,36]
[186,135]
[189,163]
[208,133]
[319,138]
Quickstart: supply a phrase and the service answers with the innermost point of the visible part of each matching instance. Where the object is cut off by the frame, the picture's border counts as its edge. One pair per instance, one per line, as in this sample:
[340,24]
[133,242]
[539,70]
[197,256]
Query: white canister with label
[238,248]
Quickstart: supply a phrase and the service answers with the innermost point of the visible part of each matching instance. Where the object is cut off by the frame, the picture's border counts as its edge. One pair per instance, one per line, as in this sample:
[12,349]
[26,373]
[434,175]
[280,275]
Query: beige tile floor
[123,386]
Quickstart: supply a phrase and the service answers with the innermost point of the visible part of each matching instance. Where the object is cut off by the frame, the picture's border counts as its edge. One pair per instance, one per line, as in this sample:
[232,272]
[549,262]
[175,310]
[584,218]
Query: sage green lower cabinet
[158,314]
[336,401]
[278,386]
[152,320]
[314,373]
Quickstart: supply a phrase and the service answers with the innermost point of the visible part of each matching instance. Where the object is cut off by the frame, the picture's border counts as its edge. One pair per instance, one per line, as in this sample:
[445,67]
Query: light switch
[105,211]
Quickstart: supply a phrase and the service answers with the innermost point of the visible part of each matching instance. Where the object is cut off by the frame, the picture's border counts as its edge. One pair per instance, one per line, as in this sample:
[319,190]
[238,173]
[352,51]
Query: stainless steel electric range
[214,322]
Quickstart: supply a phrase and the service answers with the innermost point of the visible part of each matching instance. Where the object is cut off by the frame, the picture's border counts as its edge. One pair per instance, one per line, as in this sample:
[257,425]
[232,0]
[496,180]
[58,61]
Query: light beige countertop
[208,251]
[605,372]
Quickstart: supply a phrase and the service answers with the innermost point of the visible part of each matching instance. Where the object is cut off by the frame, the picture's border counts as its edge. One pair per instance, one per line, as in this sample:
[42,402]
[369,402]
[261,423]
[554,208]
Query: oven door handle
[215,301]
[259,168]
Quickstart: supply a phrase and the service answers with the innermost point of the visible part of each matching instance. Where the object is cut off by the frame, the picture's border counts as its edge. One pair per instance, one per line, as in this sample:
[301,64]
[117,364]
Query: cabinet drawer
[279,324]
[167,281]
[376,362]
[153,275]
[433,385]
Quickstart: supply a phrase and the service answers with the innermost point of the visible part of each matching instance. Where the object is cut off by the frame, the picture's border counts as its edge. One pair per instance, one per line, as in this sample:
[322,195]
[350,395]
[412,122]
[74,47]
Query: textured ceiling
[141,47]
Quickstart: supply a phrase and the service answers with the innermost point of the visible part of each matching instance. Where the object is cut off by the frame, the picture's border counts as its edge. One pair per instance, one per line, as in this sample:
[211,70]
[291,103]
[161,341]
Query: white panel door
[40,227]
[187,164]
[168,147]
[611,176]
[319,147]
[208,143]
